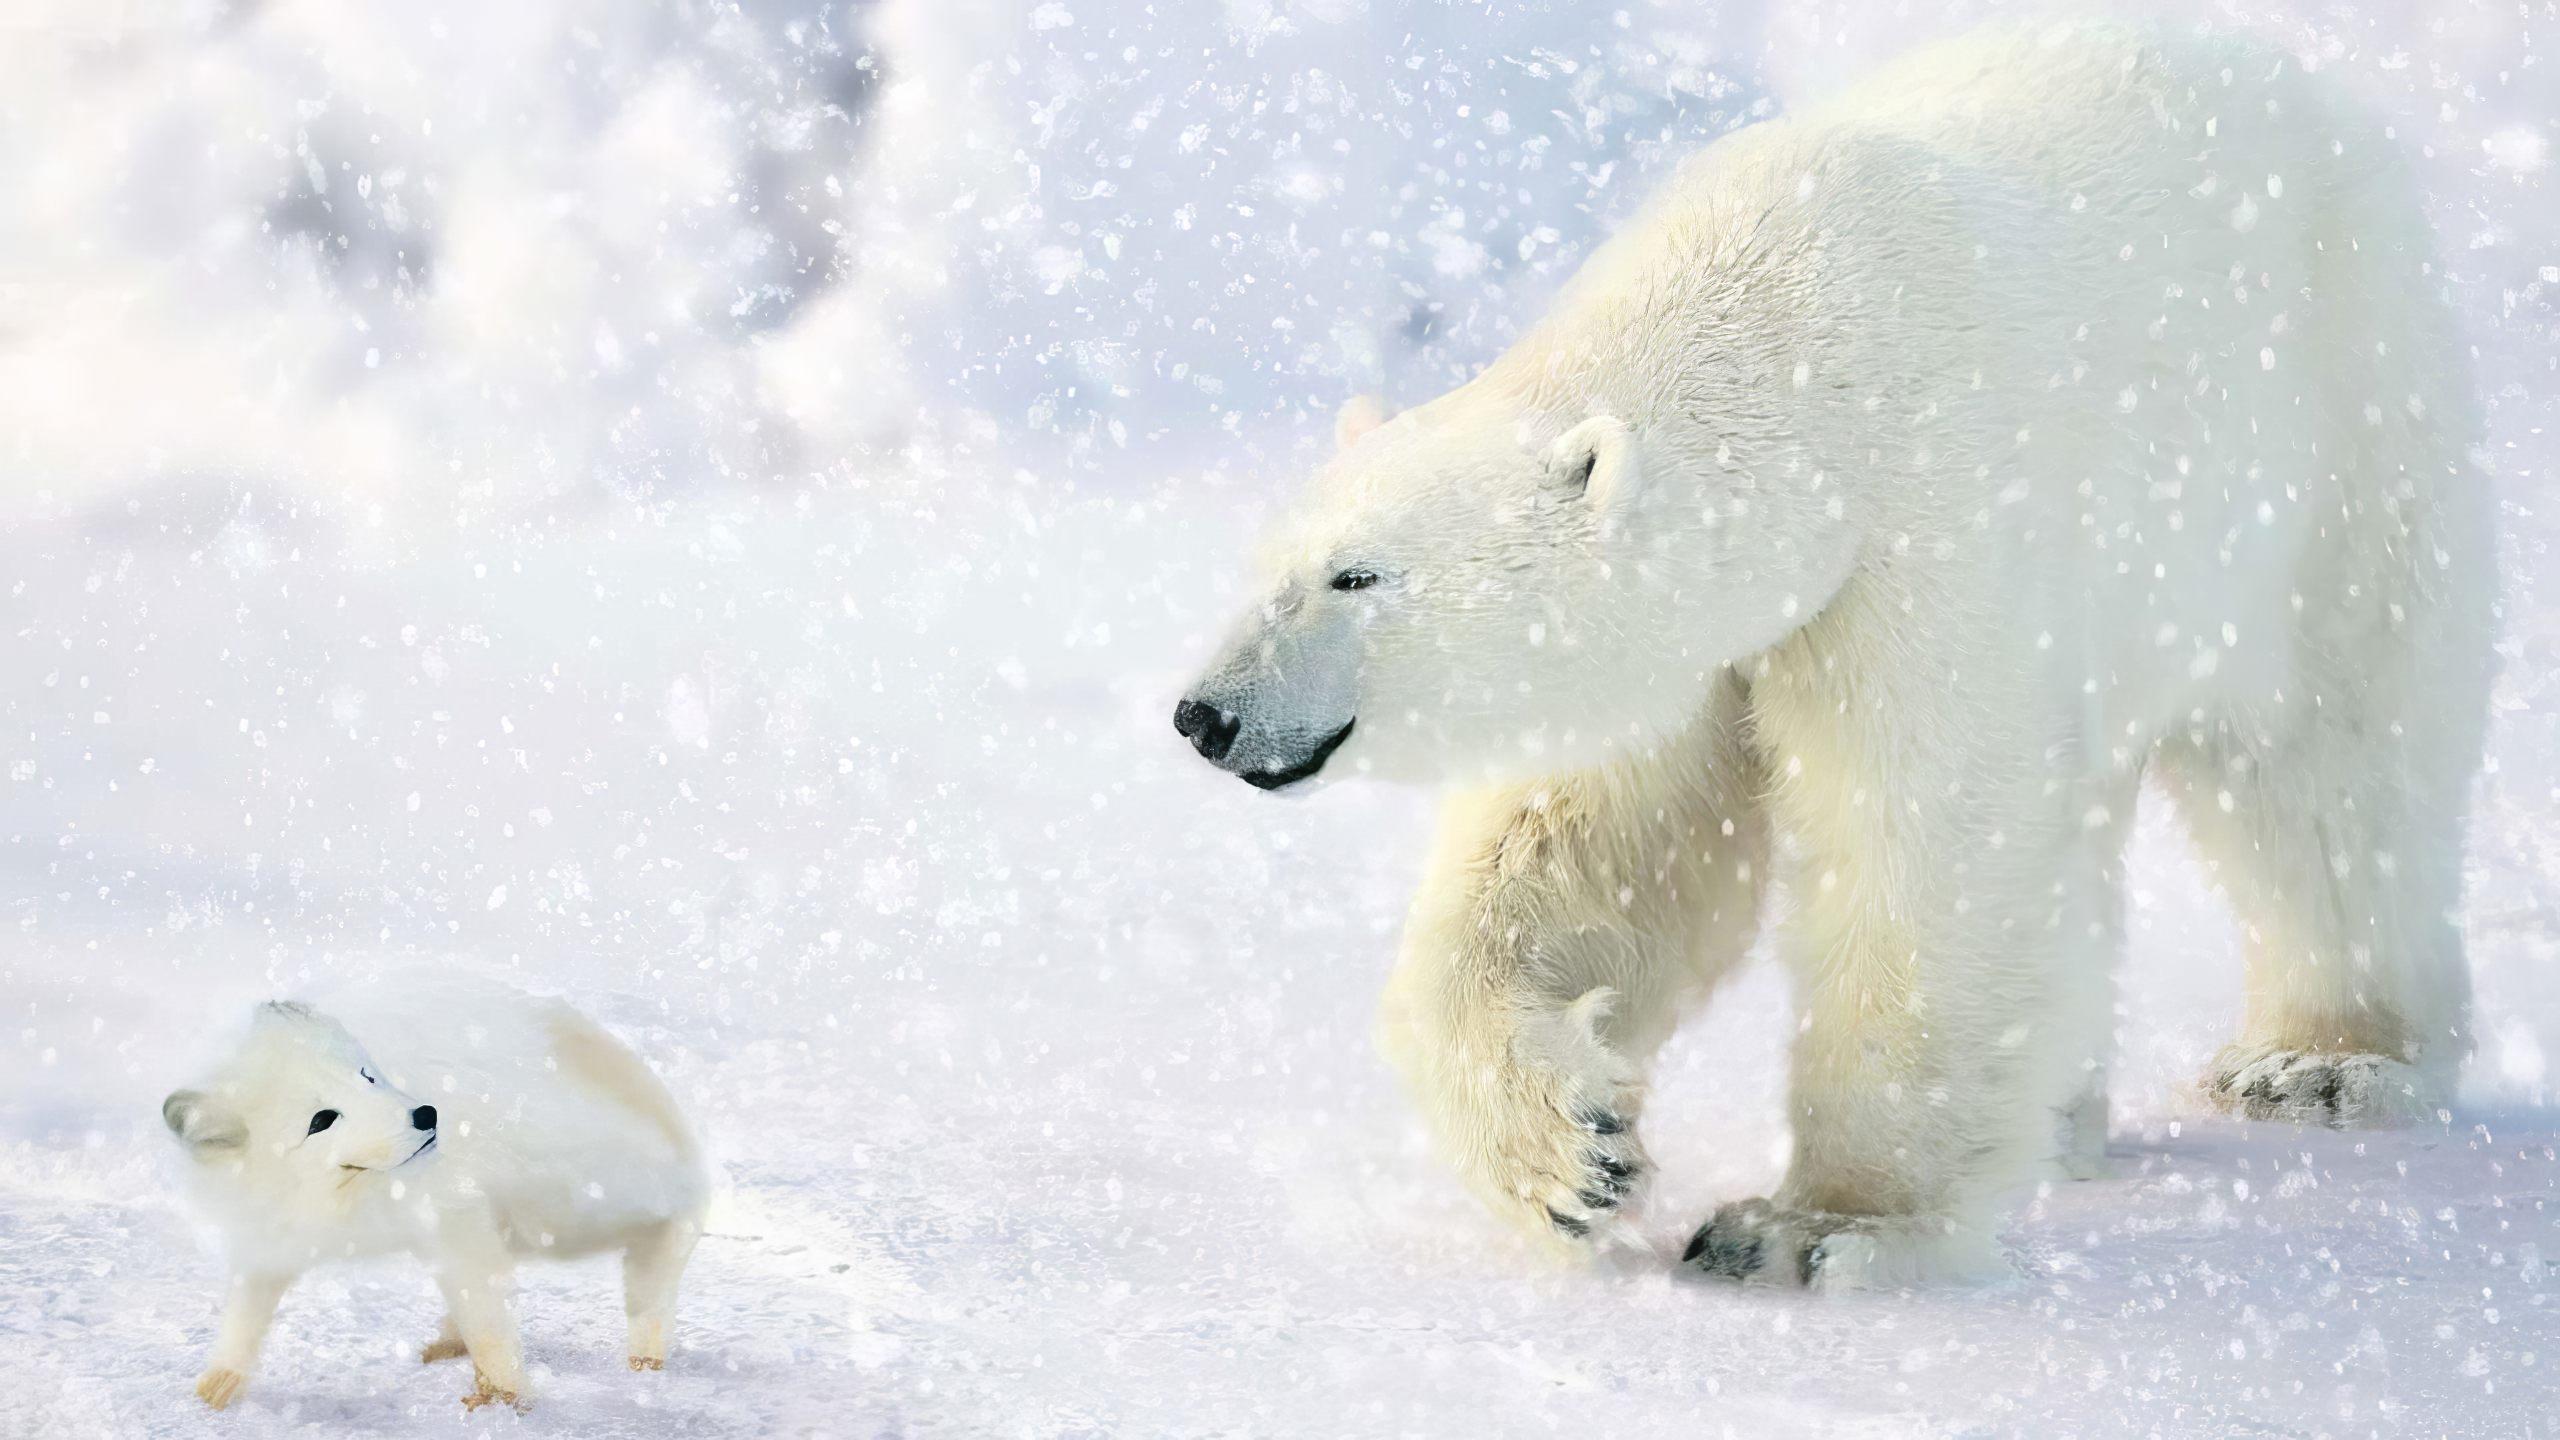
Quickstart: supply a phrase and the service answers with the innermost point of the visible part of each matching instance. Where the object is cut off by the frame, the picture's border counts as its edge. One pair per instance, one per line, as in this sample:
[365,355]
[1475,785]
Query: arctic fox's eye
[1355,579]
[322,1121]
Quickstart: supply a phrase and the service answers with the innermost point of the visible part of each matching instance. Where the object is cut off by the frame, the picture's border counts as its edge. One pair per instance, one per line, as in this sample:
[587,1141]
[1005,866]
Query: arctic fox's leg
[477,1296]
[446,1346]
[650,1270]
[247,1311]
[1558,927]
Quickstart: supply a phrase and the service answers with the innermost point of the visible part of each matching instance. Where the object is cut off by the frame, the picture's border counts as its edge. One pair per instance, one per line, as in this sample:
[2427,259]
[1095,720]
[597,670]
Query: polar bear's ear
[201,1122]
[1595,461]
[1358,416]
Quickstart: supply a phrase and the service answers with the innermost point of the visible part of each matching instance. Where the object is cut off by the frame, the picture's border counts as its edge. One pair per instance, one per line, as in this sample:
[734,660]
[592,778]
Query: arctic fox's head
[298,1124]
[1479,589]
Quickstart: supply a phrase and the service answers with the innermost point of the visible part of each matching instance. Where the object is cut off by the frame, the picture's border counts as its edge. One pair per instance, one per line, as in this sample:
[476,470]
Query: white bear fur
[1915,475]
[551,1140]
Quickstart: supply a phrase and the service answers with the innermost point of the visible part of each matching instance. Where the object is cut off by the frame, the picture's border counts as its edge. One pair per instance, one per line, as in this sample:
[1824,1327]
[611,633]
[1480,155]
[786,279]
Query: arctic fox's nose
[424,1117]
[1210,730]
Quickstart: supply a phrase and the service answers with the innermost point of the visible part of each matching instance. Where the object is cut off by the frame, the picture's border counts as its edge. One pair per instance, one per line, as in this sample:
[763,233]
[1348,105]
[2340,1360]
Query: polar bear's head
[1471,591]
[298,1124]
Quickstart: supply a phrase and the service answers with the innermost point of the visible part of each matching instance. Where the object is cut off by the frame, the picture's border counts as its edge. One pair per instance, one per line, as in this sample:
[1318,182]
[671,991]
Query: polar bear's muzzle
[1273,779]
[1212,730]
[1280,697]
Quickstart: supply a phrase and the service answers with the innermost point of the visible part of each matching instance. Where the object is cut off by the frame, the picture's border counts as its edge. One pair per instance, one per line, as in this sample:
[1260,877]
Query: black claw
[2330,1083]
[1598,1199]
[1616,1176]
[1808,1263]
[1569,1225]
[1600,1122]
[1734,1255]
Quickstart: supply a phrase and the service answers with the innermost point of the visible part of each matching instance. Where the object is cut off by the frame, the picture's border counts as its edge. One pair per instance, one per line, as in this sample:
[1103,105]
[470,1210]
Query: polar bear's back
[2117,116]
[2240,261]
[2062,299]
[2097,172]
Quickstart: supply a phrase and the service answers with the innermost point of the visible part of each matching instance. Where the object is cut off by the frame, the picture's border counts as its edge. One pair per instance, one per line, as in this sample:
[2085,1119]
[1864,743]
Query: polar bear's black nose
[424,1117]
[1210,730]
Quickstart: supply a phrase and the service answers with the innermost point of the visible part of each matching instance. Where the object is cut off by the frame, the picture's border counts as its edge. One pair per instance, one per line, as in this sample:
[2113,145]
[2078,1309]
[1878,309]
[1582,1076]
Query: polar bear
[1914,476]
[460,1120]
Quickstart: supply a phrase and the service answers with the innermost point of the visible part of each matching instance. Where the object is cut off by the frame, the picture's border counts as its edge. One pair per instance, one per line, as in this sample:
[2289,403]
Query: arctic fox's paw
[443,1347]
[1759,1240]
[2312,1088]
[1546,1134]
[485,1394]
[218,1387]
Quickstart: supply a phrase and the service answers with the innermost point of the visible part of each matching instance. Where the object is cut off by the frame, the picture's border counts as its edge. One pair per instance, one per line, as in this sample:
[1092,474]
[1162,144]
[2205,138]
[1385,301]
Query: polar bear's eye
[1355,579]
[322,1120]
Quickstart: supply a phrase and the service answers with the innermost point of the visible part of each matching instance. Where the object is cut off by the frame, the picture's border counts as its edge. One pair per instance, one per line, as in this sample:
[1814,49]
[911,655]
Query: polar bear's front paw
[2340,1091]
[1760,1240]
[1548,1135]
[1579,1174]
[1560,1166]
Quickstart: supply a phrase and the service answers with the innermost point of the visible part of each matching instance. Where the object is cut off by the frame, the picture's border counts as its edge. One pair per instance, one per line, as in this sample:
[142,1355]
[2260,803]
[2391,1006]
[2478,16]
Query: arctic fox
[464,1122]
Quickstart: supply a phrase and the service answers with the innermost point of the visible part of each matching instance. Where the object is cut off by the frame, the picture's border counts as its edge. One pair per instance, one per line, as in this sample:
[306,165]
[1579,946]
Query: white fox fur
[1914,475]
[547,1138]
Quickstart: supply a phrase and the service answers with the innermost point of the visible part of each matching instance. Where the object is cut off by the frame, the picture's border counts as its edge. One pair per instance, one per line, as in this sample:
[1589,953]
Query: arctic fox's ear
[1596,461]
[1358,416]
[201,1122]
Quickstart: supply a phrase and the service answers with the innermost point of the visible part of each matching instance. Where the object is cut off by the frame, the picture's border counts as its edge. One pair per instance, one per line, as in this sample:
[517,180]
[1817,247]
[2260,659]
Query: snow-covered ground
[707,509]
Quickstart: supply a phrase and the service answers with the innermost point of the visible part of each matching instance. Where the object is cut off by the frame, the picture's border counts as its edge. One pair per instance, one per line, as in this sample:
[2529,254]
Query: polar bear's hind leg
[2341,855]
[2331,809]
